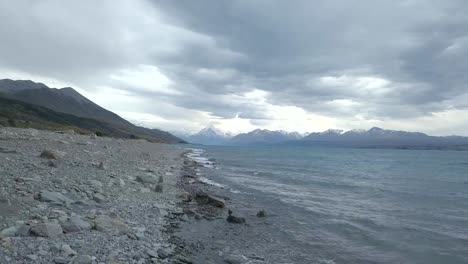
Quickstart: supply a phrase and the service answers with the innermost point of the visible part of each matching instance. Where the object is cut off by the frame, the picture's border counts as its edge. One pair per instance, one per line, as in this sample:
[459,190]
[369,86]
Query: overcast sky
[298,65]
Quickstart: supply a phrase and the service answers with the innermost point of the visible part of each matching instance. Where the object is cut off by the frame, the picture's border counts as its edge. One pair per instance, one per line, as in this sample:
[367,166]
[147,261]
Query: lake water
[330,205]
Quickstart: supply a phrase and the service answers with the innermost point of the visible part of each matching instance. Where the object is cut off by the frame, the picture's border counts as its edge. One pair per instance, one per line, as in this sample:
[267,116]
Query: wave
[195,155]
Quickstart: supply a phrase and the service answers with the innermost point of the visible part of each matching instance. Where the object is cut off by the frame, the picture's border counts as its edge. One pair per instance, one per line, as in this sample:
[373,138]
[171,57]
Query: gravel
[70,198]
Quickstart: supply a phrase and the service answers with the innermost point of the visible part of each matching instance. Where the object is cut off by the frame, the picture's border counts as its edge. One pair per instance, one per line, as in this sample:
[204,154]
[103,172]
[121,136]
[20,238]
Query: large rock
[163,254]
[146,179]
[52,154]
[105,223]
[47,230]
[83,259]
[203,198]
[158,188]
[99,198]
[8,232]
[261,213]
[234,219]
[54,197]
[75,224]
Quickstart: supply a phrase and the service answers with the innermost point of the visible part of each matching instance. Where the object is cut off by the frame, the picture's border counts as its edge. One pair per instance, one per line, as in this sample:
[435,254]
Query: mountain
[382,138]
[263,136]
[209,136]
[65,100]
[69,108]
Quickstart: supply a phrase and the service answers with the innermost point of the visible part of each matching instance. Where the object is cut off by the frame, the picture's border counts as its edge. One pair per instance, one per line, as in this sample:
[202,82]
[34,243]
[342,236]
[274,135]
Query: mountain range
[357,138]
[29,104]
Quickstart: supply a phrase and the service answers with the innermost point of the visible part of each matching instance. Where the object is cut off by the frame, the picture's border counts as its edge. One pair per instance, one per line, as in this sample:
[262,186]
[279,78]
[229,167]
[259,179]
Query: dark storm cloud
[376,59]
[288,43]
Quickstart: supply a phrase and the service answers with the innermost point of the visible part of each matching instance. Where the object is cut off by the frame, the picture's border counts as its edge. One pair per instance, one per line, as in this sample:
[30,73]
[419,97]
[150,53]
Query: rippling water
[330,205]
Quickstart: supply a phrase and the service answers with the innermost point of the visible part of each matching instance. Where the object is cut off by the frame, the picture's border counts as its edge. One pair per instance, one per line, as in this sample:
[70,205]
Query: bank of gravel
[68,198]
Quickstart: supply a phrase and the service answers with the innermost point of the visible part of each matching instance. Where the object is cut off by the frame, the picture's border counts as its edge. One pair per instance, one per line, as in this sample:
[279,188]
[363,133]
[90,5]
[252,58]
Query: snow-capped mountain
[382,138]
[374,133]
[209,136]
[264,136]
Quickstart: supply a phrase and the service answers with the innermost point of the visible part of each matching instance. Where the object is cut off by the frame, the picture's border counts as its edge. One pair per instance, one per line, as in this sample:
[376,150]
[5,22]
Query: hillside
[69,101]
[15,113]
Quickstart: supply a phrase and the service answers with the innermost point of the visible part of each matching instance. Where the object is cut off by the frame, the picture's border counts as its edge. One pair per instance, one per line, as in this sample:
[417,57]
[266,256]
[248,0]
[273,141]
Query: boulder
[52,154]
[163,254]
[158,188]
[75,224]
[23,230]
[105,223]
[53,197]
[145,179]
[161,179]
[185,196]
[99,198]
[83,259]
[261,213]
[47,230]
[235,219]
[8,232]
[203,198]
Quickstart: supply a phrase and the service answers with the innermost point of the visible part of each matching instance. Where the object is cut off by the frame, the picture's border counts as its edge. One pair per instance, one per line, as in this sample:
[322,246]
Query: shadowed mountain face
[69,101]
[65,100]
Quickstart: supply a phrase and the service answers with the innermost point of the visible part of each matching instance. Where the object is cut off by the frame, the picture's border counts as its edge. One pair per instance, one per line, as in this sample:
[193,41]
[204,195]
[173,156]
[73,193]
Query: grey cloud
[216,51]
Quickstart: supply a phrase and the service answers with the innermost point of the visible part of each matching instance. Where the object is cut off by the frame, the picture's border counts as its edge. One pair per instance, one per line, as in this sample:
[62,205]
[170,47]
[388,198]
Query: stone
[52,163]
[23,230]
[235,219]
[204,198]
[61,260]
[31,257]
[9,232]
[53,197]
[47,230]
[261,213]
[99,198]
[105,223]
[233,260]
[83,259]
[163,254]
[121,182]
[152,253]
[161,179]
[145,179]
[52,154]
[75,224]
[95,184]
[145,190]
[185,196]
[8,151]
[67,250]
[101,166]
[158,188]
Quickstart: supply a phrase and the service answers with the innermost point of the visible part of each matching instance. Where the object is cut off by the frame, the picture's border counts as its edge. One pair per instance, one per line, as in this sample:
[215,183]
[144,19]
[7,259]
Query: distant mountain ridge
[264,136]
[382,138]
[69,101]
[357,138]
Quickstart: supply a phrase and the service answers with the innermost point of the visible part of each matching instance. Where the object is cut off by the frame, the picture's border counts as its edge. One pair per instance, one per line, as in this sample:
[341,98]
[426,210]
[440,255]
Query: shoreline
[69,198]
[209,237]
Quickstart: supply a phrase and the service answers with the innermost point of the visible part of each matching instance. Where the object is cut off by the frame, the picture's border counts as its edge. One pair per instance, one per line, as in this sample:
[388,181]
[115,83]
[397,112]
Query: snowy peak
[375,133]
[209,136]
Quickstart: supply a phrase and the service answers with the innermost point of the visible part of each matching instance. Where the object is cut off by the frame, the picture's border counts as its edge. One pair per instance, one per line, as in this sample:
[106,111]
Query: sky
[298,65]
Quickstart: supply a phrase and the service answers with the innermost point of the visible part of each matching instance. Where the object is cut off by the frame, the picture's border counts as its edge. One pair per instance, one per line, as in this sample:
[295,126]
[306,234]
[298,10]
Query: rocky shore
[69,198]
